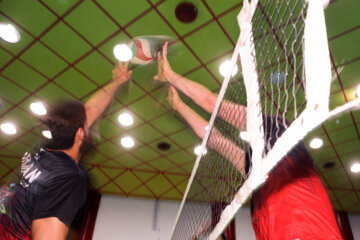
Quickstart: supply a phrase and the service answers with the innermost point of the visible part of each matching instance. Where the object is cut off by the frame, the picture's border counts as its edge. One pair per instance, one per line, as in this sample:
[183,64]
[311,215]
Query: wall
[355,225]
[244,230]
[129,218]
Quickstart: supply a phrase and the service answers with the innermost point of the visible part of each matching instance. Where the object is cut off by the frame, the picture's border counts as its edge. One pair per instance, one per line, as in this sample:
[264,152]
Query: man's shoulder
[52,166]
[56,159]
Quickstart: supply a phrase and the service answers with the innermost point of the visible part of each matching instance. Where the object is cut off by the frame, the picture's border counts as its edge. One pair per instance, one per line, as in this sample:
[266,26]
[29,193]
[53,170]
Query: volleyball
[143,51]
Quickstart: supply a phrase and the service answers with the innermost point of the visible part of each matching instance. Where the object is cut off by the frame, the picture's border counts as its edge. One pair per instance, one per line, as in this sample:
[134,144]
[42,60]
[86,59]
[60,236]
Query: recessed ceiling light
[329,165]
[186,12]
[163,146]
[8,128]
[122,52]
[226,67]
[358,91]
[38,108]
[47,134]
[127,142]
[244,135]
[9,33]
[316,143]
[355,168]
[197,150]
[126,119]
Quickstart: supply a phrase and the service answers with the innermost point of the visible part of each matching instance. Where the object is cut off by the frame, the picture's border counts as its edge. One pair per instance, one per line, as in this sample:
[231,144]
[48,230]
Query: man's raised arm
[97,104]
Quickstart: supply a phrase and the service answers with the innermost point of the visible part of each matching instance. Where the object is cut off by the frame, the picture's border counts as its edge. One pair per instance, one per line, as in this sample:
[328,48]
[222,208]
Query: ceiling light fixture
[8,128]
[358,91]
[9,33]
[127,142]
[163,146]
[47,134]
[122,52]
[126,119]
[197,150]
[244,135]
[355,168]
[225,68]
[38,108]
[316,143]
[329,165]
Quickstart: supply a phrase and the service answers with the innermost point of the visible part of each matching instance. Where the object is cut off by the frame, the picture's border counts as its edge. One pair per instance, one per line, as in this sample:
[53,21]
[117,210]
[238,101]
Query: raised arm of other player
[234,114]
[97,104]
[216,140]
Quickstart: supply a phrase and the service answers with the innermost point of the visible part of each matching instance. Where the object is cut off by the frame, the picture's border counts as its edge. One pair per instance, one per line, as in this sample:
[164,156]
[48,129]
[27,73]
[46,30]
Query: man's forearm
[97,104]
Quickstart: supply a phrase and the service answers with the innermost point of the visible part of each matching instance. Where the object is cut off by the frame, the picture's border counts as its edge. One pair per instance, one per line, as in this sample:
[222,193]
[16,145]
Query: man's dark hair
[63,121]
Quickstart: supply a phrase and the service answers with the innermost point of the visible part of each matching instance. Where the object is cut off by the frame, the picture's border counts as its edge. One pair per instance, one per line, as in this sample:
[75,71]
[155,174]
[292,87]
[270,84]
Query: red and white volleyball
[143,51]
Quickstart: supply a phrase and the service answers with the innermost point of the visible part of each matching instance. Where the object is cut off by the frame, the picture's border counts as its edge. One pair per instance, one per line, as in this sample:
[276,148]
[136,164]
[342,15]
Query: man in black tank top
[53,187]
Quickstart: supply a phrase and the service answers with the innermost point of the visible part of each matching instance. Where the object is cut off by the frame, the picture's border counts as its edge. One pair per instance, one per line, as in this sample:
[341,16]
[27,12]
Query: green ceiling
[66,51]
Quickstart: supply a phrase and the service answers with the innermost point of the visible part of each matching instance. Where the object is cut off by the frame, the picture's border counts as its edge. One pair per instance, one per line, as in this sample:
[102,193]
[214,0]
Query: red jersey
[293,203]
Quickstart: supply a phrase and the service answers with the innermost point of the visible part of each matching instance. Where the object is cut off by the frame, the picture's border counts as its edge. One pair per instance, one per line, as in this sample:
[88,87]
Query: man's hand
[121,73]
[96,105]
[164,69]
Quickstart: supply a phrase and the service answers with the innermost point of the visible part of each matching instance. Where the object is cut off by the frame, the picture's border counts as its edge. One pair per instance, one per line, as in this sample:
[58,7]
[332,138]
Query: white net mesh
[270,100]
[278,28]
[217,179]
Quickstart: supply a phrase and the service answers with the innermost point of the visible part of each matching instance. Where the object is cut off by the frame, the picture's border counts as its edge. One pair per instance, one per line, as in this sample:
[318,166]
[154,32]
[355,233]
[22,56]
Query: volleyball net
[261,114]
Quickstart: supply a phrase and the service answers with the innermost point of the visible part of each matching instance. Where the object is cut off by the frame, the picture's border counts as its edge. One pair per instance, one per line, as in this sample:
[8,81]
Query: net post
[254,120]
[318,65]
[317,59]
